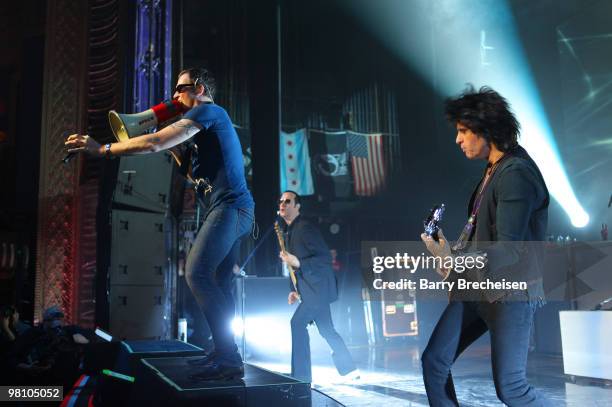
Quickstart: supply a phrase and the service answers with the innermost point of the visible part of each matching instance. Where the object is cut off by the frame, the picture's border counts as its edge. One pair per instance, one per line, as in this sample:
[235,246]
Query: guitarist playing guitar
[306,254]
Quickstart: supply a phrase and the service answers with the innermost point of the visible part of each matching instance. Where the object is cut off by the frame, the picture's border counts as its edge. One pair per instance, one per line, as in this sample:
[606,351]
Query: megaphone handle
[68,157]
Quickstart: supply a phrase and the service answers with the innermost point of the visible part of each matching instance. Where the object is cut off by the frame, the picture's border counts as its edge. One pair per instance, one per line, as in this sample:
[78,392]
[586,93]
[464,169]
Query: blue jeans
[209,273]
[459,326]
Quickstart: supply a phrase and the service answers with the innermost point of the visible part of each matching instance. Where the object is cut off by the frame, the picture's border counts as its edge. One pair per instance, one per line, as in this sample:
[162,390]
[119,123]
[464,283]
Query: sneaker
[204,360]
[216,371]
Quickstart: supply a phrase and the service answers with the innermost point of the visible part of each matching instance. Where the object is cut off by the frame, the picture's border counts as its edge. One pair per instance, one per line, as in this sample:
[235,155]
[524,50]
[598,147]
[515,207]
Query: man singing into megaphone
[218,160]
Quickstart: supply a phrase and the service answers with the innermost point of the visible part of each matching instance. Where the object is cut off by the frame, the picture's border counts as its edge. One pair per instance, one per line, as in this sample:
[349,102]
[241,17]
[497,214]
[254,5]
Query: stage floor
[393,375]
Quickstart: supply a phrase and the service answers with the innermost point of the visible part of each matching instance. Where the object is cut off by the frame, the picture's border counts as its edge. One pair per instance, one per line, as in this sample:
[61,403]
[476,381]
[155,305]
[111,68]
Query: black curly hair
[486,113]
[201,76]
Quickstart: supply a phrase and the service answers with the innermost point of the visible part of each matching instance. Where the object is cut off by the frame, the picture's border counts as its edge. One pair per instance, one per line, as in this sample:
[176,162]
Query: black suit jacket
[511,223]
[316,278]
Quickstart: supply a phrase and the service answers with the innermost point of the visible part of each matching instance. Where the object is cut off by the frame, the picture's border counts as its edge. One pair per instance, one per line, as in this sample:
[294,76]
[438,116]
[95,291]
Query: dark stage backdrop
[583,42]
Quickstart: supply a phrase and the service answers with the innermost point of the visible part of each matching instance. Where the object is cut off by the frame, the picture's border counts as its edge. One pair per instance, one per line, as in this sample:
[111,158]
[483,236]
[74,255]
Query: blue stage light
[451,43]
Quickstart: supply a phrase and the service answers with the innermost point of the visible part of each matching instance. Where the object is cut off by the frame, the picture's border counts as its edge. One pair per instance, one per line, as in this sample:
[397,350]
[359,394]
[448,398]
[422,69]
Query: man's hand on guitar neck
[290,259]
[440,249]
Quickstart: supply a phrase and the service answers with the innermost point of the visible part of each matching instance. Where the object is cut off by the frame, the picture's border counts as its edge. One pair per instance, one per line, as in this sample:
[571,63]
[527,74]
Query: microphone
[610,201]
[68,158]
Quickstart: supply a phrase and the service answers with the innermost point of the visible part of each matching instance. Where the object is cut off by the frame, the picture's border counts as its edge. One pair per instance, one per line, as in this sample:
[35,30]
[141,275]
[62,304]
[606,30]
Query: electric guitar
[281,242]
[431,224]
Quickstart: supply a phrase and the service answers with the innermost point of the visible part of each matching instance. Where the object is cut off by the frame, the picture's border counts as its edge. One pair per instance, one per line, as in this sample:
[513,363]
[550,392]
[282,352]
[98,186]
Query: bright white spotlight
[237,326]
[539,142]
[580,219]
[268,333]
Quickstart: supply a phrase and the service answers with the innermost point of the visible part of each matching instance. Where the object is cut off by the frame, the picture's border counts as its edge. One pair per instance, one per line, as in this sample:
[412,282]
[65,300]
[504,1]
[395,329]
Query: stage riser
[166,381]
[162,378]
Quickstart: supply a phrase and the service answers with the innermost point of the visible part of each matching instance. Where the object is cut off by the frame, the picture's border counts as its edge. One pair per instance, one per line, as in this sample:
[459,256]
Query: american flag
[367,161]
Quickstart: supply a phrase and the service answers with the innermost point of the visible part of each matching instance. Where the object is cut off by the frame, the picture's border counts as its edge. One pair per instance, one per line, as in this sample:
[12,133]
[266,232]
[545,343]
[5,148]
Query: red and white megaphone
[126,126]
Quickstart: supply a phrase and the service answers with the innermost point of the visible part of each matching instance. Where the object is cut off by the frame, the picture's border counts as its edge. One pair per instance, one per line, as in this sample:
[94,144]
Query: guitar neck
[281,243]
[279,236]
[282,246]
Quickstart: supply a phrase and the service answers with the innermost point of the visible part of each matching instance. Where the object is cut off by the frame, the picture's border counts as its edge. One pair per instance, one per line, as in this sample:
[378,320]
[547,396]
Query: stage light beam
[441,40]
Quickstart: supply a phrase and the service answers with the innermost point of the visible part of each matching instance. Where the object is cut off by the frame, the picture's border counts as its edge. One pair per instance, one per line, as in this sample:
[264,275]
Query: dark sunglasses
[284,201]
[181,87]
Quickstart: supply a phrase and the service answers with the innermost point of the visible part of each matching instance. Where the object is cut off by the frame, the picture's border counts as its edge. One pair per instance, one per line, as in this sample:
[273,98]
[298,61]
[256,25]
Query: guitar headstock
[431,224]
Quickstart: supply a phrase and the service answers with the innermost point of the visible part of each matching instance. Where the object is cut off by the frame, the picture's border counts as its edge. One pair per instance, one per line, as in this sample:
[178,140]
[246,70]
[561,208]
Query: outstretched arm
[164,139]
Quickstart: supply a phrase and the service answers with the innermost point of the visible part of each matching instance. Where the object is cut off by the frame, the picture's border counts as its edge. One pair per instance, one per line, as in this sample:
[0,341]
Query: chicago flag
[295,173]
